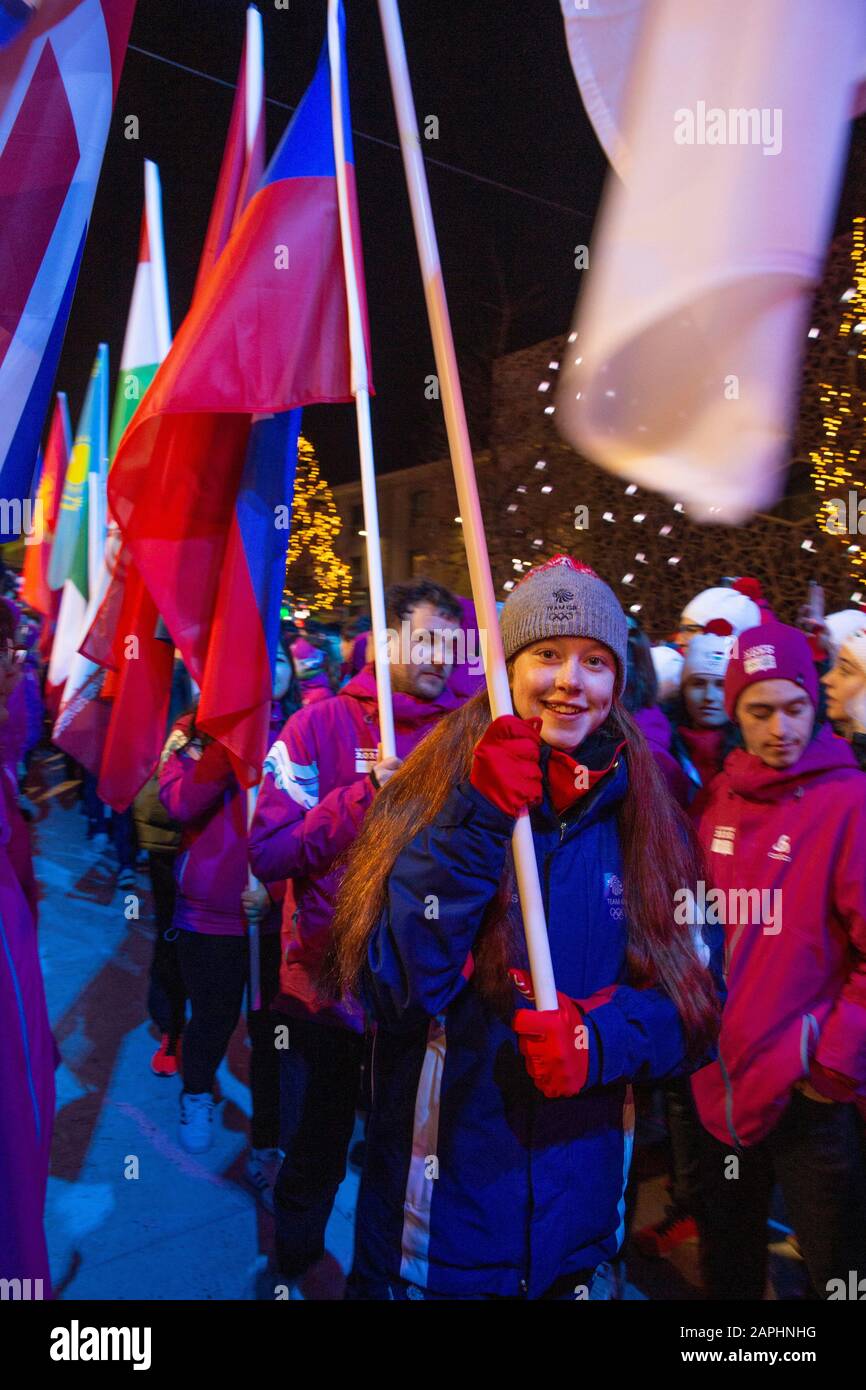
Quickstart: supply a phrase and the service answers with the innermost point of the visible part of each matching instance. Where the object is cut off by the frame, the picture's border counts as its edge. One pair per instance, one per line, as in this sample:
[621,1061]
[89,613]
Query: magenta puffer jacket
[656,729]
[315,792]
[199,790]
[796,951]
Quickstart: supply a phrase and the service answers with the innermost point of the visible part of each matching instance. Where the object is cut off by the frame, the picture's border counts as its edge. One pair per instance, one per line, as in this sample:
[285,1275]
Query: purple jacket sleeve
[294,834]
[188,785]
[842,1043]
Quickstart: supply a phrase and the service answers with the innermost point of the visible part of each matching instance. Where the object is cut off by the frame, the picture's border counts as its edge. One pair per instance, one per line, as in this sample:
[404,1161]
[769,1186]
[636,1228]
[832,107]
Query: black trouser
[166,996]
[95,810]
[684,1130]
[816,1155]
[215,970]
[319,1081]
[123,838]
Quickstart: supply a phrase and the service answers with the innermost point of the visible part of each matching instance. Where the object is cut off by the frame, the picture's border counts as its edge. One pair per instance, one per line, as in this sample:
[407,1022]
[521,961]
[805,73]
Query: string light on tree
[838,465]
[316,577]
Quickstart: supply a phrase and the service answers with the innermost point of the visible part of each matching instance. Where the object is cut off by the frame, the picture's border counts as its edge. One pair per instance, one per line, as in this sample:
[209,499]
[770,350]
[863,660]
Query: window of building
[419,506]
[418,562]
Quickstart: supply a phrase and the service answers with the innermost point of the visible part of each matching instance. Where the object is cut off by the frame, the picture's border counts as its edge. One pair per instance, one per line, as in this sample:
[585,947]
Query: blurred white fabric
[692,324]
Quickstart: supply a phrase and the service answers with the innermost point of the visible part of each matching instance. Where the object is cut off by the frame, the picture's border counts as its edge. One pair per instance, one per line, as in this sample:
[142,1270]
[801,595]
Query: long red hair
[660,855]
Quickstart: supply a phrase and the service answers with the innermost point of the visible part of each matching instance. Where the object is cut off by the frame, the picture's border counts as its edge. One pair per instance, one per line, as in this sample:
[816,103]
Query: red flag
[34,590]
[244,157]
[142,687]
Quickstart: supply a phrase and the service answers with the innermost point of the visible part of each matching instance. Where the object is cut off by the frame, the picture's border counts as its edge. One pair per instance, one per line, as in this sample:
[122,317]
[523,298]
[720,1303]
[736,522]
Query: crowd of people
[698,811]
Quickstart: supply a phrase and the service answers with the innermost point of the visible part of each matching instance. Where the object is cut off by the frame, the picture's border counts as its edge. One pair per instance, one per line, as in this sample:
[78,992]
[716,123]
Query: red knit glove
[505,766]
[555,1046]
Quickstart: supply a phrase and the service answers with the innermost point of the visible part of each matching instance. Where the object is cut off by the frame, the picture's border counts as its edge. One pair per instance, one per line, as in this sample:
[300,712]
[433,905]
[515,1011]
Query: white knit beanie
[668,663]
[855,650]
[736,608]
[707,655]
[841,625]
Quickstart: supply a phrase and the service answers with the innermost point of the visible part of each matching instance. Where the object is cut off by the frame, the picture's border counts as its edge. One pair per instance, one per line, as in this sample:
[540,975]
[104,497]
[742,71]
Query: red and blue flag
[192,491]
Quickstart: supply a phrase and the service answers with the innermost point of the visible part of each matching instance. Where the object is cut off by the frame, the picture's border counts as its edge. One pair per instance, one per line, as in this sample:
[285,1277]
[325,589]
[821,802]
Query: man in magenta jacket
[320,776]
[784,830]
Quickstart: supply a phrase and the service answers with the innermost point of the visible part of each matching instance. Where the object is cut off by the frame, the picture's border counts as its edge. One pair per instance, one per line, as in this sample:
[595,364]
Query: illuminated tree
[316,578]
[838,465]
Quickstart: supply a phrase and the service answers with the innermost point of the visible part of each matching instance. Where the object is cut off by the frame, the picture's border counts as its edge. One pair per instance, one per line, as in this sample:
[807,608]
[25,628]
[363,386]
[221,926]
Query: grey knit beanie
[564,598]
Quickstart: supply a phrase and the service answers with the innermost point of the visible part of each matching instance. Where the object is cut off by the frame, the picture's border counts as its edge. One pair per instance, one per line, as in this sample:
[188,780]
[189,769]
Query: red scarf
[704,747]
[569,779]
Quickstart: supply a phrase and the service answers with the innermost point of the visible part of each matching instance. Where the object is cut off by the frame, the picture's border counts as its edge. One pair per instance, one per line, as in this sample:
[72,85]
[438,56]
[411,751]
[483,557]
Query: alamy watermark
[846,516]
[741,125]
[77,1343]
[732,906]
[21,1290]
[444,646]
[22,517]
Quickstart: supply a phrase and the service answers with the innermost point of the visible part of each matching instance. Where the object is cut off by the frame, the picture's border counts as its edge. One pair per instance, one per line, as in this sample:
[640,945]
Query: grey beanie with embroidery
[565,598]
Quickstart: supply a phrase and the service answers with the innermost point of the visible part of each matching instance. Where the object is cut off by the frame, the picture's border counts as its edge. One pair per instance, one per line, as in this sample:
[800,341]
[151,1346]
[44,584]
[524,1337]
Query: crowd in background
[381,897]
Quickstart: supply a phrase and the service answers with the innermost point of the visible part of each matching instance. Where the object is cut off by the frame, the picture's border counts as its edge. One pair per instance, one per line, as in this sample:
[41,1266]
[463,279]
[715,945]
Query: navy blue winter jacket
[475,1183]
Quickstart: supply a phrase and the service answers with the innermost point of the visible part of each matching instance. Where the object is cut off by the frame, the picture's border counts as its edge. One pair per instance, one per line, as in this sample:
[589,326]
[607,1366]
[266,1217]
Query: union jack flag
[58,81]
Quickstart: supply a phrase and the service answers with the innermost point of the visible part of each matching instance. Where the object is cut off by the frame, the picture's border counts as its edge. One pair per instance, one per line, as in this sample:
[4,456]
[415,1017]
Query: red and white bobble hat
[738,609]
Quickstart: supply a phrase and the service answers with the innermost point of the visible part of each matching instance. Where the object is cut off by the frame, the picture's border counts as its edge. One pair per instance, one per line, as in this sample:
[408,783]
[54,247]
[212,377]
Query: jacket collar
[409,711]
[749,777]
[604,755]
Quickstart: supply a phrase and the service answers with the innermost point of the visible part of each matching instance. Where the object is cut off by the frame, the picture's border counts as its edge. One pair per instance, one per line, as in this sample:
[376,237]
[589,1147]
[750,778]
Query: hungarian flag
[82,517]
[35,590]
[83,718]
[267,333]
[123,636]
[58,81]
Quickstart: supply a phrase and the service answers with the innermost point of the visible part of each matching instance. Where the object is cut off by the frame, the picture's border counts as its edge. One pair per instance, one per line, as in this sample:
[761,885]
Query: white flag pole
[361,392]
[253,116]
[255,985]
[531,902]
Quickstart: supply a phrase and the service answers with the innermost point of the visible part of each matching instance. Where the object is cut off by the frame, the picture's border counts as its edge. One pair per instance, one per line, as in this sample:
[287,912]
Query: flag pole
[361,392]
[531,902]
[253,116]
[255,984]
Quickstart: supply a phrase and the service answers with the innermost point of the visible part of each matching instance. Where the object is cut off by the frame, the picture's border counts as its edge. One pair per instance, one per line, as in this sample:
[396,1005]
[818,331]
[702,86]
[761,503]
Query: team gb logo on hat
[561,608]
[759,658]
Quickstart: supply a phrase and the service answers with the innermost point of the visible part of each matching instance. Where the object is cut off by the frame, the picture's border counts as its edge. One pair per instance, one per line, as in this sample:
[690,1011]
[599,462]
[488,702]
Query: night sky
[497,76]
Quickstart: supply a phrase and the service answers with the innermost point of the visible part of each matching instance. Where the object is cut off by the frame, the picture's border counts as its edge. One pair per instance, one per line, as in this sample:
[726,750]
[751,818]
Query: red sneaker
[164,1061]
[659,1240]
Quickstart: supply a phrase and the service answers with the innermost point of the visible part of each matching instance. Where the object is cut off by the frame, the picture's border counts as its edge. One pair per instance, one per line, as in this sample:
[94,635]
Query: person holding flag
[500,1136]
[213,905]
[321,776]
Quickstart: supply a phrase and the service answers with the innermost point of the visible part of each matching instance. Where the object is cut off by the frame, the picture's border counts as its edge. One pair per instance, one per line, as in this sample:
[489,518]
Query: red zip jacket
[797,984]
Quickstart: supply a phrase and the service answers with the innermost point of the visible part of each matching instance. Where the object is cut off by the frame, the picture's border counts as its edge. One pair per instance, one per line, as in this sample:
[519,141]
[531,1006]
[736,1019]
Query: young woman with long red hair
[500,1137]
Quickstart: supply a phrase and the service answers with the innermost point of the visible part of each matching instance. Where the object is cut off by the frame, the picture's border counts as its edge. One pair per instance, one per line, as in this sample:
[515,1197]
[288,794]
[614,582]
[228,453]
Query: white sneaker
[196,1121]
[261,1171]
